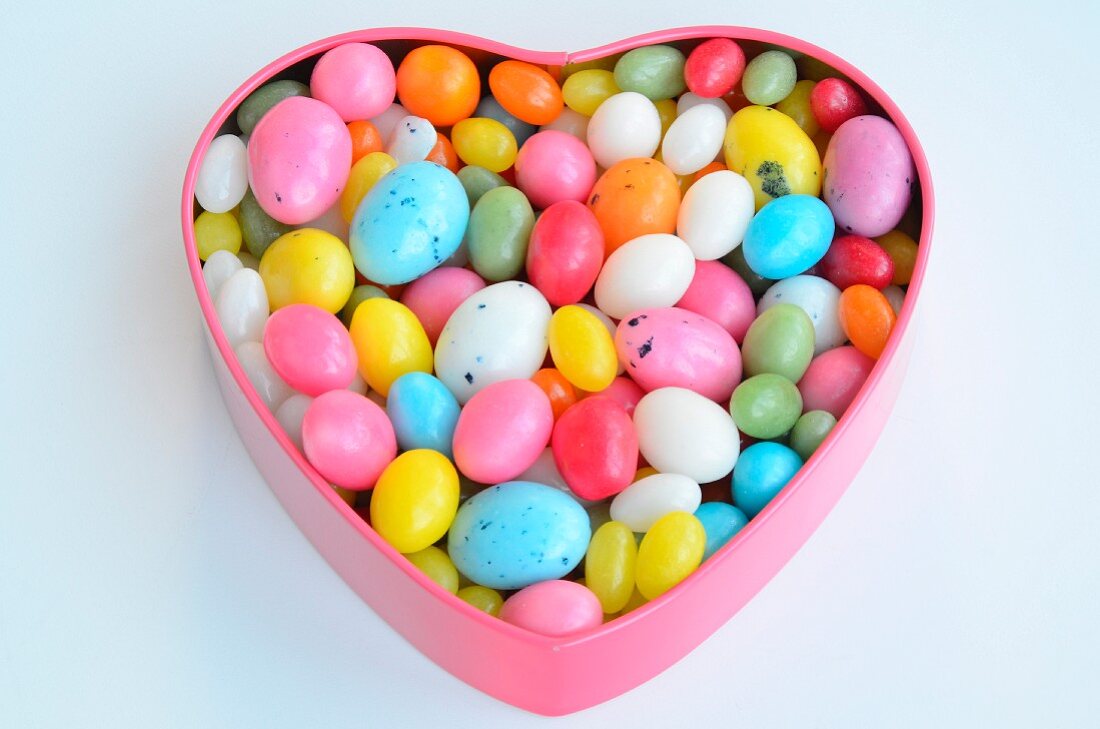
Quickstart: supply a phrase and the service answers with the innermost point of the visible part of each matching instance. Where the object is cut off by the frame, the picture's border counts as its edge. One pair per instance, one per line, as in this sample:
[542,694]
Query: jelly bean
[364,175]
[769,149]
[766,406]
[526,91]
[680,431]
[518,533]
[355,79]
[788,235]
[545,471]
[714,67]
[625,392]
[735,259]
[348,439]
[423,412]
[484,142]
[605,63]
[761,473]
[595,448]
[815,296]
[565,252]
[443,153]
[903,252]
[584,91]
[435,563]
[657,72]
[636,601]
[626,126]
[871,176]
[299,156]
[249,261]
[694,139]
[719,294]
[308,266]
[219,267]
[223,175]
[670,347]
[271,388]
[490,108]
[310,349]
[390,342]
[290,415]
[387,120]
[555,608]
[582,349]
[835,101]
[242,307]
[688,101]
[260,101]
[483,598]
[666,112]
[867,318]
[497,235]
[651,497]
[558,390]
[609,565]
[833,379]
[258,229]
[810,430]
[797,106]
[216,232]
[358,295]
[780,341]
[434,296]
[650,271]
[570,122]
[477,181]
[409,223]
[502,430]
[715,214]
[415,500]
[896,297]
[365,139]
[853,259]
[608,324]
[670,551]
[769,78]
[554,166]
[439,83]
[498,333]
[721,522]
[411,140]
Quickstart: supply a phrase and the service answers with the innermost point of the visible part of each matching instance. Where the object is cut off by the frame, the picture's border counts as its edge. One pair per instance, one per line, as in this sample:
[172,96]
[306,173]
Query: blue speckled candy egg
[518,533]
[788,235]
[423,412]
[410,222]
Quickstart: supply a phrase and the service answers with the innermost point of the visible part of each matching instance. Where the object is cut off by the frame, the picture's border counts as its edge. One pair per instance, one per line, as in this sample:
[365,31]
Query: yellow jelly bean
[347,495]
[609,565]
[585,90]
[364,174]
[308,266]
[903,251]
[644,472]
[606,63]
[484,142]
[666,109]
[582,349]
[439,568]
[485,599]
[772,152]
[217,232]
[670,551]
[797,107]
[415,500]
[390,342]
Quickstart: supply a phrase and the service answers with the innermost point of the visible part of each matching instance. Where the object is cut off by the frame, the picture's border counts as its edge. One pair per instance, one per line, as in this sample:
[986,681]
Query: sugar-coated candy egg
[216,232]
[582,348]
[271,388]
[714,67]
[554,166]
[518,533]
[656,71]
[219,267]
[781,341]
[671,550]
[626,126]
[625,392]
[766,405]
[415,500]
[308,266]
[434,296]
[502,430]
[290,415]
[853,259]
[694,139]
[411,140]
[348,439]
[526,91]
[680,431]
[565,252]
[437,565]
[833,379]
[609,565]
[719,294]
[364,175]
[310,349]
[390,342]
[797,106]
[769,150]
[903,252]
[223,175]
[867,318]
[869,176]
[484,142]
[439,83]
[385,121]
[490,108]
[643,502]
[688,101]
[498,232]
[715,214]
[721,522]
[635,197]
[258,229]
[477,181]
[788,235]
[835,101]
[571,123]
[423,412]
[365,139]
[769,78]
[260,101]
[484,599]
[355,79]
[242,307]
[555,608]
[608,324]
[761,473]
[815,296]
[585,90]
[595,448]
[649,271]
[808,433]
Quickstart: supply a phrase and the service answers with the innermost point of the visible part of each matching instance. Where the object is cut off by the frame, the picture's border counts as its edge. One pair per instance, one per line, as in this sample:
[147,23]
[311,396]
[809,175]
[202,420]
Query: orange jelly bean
[557,388]
[635,197]
[443,153]
[365,139]
[438,83]
[867,318]
[712,167]
[526,91]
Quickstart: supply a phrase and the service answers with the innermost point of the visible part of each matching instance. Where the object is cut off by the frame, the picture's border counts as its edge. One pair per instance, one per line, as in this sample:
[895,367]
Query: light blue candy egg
[518,533]
[423,412]
[721,522]
[788,235]
[491,109]
[411,221]
[762,470]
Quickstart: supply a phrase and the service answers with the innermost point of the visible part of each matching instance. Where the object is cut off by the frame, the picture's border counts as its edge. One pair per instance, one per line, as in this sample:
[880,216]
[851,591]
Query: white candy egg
[223,176]
[624,126]
[649,271]
[570,122]
[219,267]
[715,214]
[271,388]
[290,415]
[694,139]
[680,431]
[242,307]
[411,140]
[645,501]
[387,120]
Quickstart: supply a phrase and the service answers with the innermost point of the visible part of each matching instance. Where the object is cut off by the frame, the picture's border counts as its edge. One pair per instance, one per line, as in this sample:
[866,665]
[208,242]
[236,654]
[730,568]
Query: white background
[149,578]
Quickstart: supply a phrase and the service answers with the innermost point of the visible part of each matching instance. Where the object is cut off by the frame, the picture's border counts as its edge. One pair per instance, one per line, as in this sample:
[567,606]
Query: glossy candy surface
[348,439]
[390,342]
[554,166]
[853,259]
[867,318]
[223,176]
[555,608]
[415,500]
[815,296]
[653,270]
[609,565]
[766,406]
[788,236]
[781,341]
[502,430]
[719,294]
[721,522]
[526,91]
[438,83]
[434,296]
[356,79]
[715,214]
[714,67]
[670,551]
[869,176]
[565,252]
[635,197]
[310,349]
[682,432]
[769,149]
[762,472]
[484,142]
[498,233]
[423,412]
[625,126]
[595,448]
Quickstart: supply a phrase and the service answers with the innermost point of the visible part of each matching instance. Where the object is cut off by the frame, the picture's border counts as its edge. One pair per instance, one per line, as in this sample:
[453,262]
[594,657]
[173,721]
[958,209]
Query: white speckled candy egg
[819,298]
[223,176]
[242,307]
[680,431]
[648,499]
[694,139]
[715,214]
[271,388]
[499,333]
[649,271]
[219,267]
[411,140]
[625,126]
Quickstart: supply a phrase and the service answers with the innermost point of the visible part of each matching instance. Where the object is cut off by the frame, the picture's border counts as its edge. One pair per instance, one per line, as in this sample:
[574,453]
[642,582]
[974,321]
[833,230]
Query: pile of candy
[526,331]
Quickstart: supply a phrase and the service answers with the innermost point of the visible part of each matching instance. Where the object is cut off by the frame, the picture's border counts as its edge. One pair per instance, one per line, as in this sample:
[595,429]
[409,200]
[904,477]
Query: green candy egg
[810,430]
[766,406]
[779,341]
[498,233]
[656,72]
[477,181]
[769,78]
[358,295]
[257,227]
[735,259]
[260,101]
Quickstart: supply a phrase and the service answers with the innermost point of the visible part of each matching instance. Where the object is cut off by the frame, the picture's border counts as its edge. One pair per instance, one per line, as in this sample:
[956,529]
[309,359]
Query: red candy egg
[834,101]
[714,67]
[853,259]
[565,252]
[595,448]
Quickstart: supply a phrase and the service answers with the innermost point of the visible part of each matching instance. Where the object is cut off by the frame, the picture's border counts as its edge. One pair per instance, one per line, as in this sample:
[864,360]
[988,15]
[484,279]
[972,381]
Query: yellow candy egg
[390,342]
[485,599]
[670,551]
[903,251]
[645,472]
[217,232]
[415,500]
[439,568]
[585,90]
[364,174]
[582,348]
[607,63]
[308,266]
[771,151]
[797,107]
[666,109]
[609,565]
[484,142]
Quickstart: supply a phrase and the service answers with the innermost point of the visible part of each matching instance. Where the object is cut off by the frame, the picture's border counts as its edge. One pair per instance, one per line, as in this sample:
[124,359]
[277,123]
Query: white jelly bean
[223,176]
[271,388]
[411,140]
[680,431]
[649,271]
[624,126]
[689,100]
[715,214]
[694,139]
[217,270]
[545,470]
[645,501]
[895,296]
[819,298]
[358,384]
[570,122]
[290,415]
[242,307]
[387,120]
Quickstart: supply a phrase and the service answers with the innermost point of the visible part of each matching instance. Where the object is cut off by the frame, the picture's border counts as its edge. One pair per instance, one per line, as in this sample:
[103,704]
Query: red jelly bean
[565,252]
[624,391]
[835,101]
[714,67]
[595,448]
[853,259]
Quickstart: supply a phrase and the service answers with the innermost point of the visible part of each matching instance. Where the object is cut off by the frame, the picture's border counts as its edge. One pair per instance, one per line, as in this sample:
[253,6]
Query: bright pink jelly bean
[833,379]
[310,349]
[355,79]
[853,259]
[565,252]
[624,391]
[348,439]
[595,448]
[553,607]
[434,296]
[714,67]
[502,430]
[834,101]
[719,294]
[554,166]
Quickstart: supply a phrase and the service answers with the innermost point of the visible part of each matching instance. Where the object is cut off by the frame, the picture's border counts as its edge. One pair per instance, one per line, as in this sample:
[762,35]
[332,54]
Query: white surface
[148,577]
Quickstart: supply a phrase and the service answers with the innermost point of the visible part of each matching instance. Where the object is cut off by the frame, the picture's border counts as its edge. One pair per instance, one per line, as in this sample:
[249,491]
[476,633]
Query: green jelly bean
[498,233]
[257,227]
[779,341]
[656,72]
[769,78]
[766,406]
[358,295]
[477,181]
[260,101]
[735,259]
[810,430]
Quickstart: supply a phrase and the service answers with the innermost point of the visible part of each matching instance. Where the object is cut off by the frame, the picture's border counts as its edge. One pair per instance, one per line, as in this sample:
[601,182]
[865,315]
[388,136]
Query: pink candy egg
[502,430]
[624,391]
[833,379]
[553,166]
[554,607]
[310,349]
[348,439]
[565,253]
[299,158]
[719,294]
[355,79]
[434,296]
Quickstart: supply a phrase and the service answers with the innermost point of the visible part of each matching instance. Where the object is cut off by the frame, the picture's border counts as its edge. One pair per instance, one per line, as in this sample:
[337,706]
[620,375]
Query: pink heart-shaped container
[555,676]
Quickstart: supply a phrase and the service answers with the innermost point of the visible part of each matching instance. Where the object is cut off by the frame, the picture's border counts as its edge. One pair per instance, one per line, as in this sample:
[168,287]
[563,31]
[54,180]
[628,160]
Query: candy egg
[271,388]
[714,67]
[715,214]
[833,379]
[364,175]
[769,78]
[484,142]
[308,266]
[387,119]
[502,430]
[565,252]
[680,431]
[258,229]
[545,471]
[526,91]
[797,106]
[355,79]
[609,565]
[719,294]
[559,391]
[835,101]
[625,392]
[809,432]
[585,90]
[769,149]
[497,235]
[260,101]
[694,139]
[310,349]
[390,342]
[439,83]
[434,296]
[815,296]
[781,341]
[216,232]
[761,473]
[223,176]
[655,71]
[903,253]
[867,318]
[554,166]
[218,269]
[483,598]
[290,415]
[652,270]
[766,406]
[625,126]
[411,140]
[477,181]
[358,295]
[648,499]
[490,108]
[365,139]
[348,439]
[689,101]
[788,236]
[435,563]
[554,608]
[635,197]
[582,349]
[853,259]
[571,123]
[721,522]
[670,551]
[595,448]
[423,412]
[415,500]
[242,307]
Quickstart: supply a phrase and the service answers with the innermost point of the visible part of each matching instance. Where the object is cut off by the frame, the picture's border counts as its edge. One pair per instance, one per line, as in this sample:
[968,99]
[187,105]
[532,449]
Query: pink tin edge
[551,58]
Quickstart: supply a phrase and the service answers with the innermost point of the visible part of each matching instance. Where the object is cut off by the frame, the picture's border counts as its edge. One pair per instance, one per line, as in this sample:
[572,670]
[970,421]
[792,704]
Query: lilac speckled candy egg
[299,157]
[869,176]
[672,347]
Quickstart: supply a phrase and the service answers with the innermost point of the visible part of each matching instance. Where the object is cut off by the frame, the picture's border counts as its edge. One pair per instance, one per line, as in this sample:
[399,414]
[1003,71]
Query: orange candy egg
[526,92]
[711,167]
[443,153]
[557,388]
[867,318]
[635,197]
[438,83]
[365,139]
